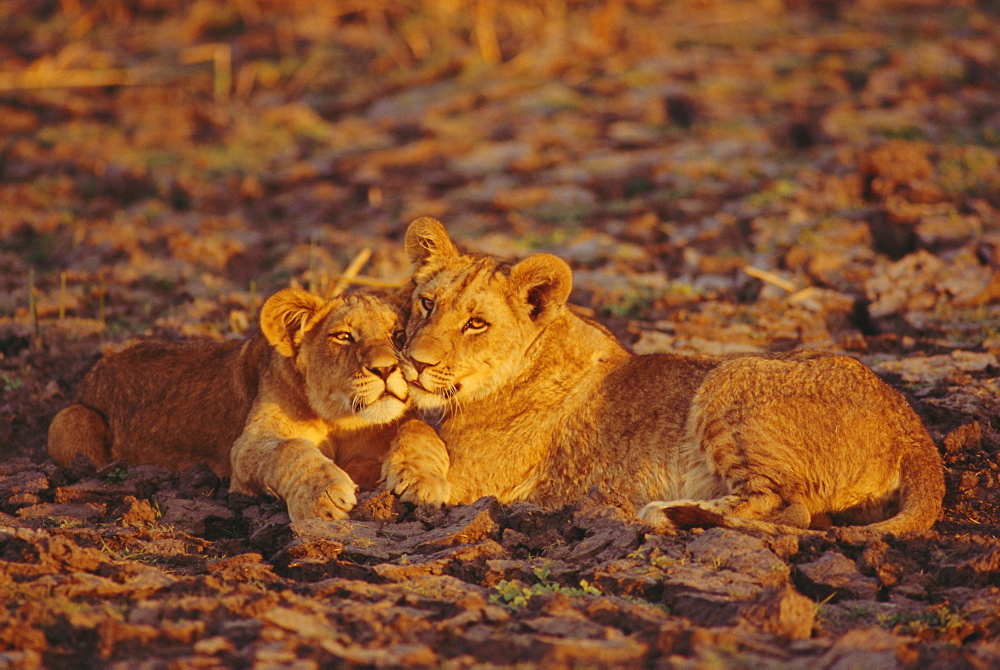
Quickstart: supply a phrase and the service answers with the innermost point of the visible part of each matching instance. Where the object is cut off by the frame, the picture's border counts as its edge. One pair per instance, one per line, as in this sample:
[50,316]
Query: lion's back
[172,403]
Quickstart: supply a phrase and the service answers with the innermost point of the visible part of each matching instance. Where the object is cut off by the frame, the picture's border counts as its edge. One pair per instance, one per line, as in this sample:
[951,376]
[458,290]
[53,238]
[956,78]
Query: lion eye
[399,338]
[343,337]
[427,304]
[475,324]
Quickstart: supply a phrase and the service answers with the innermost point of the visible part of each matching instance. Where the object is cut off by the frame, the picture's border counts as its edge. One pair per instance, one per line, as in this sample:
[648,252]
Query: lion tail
[921,490]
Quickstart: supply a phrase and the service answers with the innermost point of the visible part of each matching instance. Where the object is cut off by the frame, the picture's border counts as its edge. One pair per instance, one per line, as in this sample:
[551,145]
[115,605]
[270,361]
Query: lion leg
[416,468]
[76,430]
[295,471]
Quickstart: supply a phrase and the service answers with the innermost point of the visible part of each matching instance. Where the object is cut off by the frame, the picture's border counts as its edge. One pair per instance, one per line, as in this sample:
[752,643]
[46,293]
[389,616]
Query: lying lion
[540,405]
[302,410]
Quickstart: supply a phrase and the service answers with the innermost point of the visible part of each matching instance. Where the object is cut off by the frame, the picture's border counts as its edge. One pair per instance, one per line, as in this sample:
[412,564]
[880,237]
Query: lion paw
[417,487]
[417,467]
[332,497]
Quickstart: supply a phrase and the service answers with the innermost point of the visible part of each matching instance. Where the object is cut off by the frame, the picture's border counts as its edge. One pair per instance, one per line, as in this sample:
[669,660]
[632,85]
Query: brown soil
[723,176]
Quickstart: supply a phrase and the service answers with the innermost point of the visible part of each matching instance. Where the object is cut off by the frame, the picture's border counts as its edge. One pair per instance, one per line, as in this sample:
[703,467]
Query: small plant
[514,594]
[819,609]
[10,383]
[632,304]
[116,476]
[940,620]
[61,522]
[862,611]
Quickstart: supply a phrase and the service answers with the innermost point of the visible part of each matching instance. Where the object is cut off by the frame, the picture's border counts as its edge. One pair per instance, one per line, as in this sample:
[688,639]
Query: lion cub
[301,410]
[541,405]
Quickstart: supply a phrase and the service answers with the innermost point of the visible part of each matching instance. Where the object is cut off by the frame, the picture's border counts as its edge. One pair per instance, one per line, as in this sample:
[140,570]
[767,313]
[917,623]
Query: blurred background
[723,175]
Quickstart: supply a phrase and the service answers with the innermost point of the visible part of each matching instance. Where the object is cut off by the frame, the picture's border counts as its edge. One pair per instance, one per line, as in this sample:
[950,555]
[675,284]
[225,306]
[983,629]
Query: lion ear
[287,315]
[544,282]
[427,243]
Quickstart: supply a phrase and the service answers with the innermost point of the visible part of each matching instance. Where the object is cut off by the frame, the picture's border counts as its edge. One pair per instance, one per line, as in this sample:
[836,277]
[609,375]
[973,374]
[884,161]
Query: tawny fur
[541,405]
[300,410]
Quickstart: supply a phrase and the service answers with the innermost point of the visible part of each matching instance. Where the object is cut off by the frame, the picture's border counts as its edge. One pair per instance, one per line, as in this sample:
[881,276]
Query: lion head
[473,317]
[345,349]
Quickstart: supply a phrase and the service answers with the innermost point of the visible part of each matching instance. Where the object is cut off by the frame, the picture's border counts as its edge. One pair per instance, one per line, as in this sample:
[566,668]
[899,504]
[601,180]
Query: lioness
[319,385]
[541,405]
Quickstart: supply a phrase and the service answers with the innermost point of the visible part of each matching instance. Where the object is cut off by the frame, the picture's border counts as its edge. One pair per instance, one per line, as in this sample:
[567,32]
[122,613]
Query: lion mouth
[390,394]
[359,403]
[446,393]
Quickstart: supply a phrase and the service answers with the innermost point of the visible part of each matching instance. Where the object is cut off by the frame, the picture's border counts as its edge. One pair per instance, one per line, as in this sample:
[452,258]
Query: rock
[196,516]
[571,652]
[781,611]
[934,369]
[136,513]
[868,648]
[465,524]
[834,576]
[739,552]
[709,596]
[920,282]
[383,506]
[243,567]
[64,513]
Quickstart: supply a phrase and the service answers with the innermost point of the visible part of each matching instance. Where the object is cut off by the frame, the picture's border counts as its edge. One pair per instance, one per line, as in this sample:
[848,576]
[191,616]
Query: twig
[45,78]
[253,296]
[769,277]
[350,274]
[486,34]
[100,300]
[366,281]
[62,295]
[312,283]
[33,309]
[221,56]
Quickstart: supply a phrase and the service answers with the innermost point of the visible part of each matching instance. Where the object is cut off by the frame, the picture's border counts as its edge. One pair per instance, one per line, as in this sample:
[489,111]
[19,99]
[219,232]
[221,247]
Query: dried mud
[723,176]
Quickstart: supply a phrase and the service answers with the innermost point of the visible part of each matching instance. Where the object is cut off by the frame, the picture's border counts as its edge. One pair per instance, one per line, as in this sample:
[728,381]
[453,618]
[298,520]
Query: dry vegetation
[723,175]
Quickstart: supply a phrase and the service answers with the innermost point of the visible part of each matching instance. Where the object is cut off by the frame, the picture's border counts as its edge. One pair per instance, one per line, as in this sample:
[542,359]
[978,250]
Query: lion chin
[386,409]
[431,400]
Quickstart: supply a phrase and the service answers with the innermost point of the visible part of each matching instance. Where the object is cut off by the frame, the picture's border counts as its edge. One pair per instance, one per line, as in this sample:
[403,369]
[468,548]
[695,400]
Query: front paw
[417,466]
[415,486]
[328,495]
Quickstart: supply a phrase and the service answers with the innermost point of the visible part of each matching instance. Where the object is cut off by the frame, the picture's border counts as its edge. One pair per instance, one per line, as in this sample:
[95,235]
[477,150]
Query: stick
[769,277]
[311,285]
[221,56]
[13,81]
[62,295]
[348,278]
[33,309]
[100,300]
[366,281]
[253,297]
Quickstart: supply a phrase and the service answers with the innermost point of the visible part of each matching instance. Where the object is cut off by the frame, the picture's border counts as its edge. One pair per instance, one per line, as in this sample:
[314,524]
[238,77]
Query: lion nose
[383,371]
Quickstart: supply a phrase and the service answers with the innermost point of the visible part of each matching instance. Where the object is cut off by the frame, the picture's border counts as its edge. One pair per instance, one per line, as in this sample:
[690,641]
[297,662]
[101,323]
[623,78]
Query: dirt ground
[723,175]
